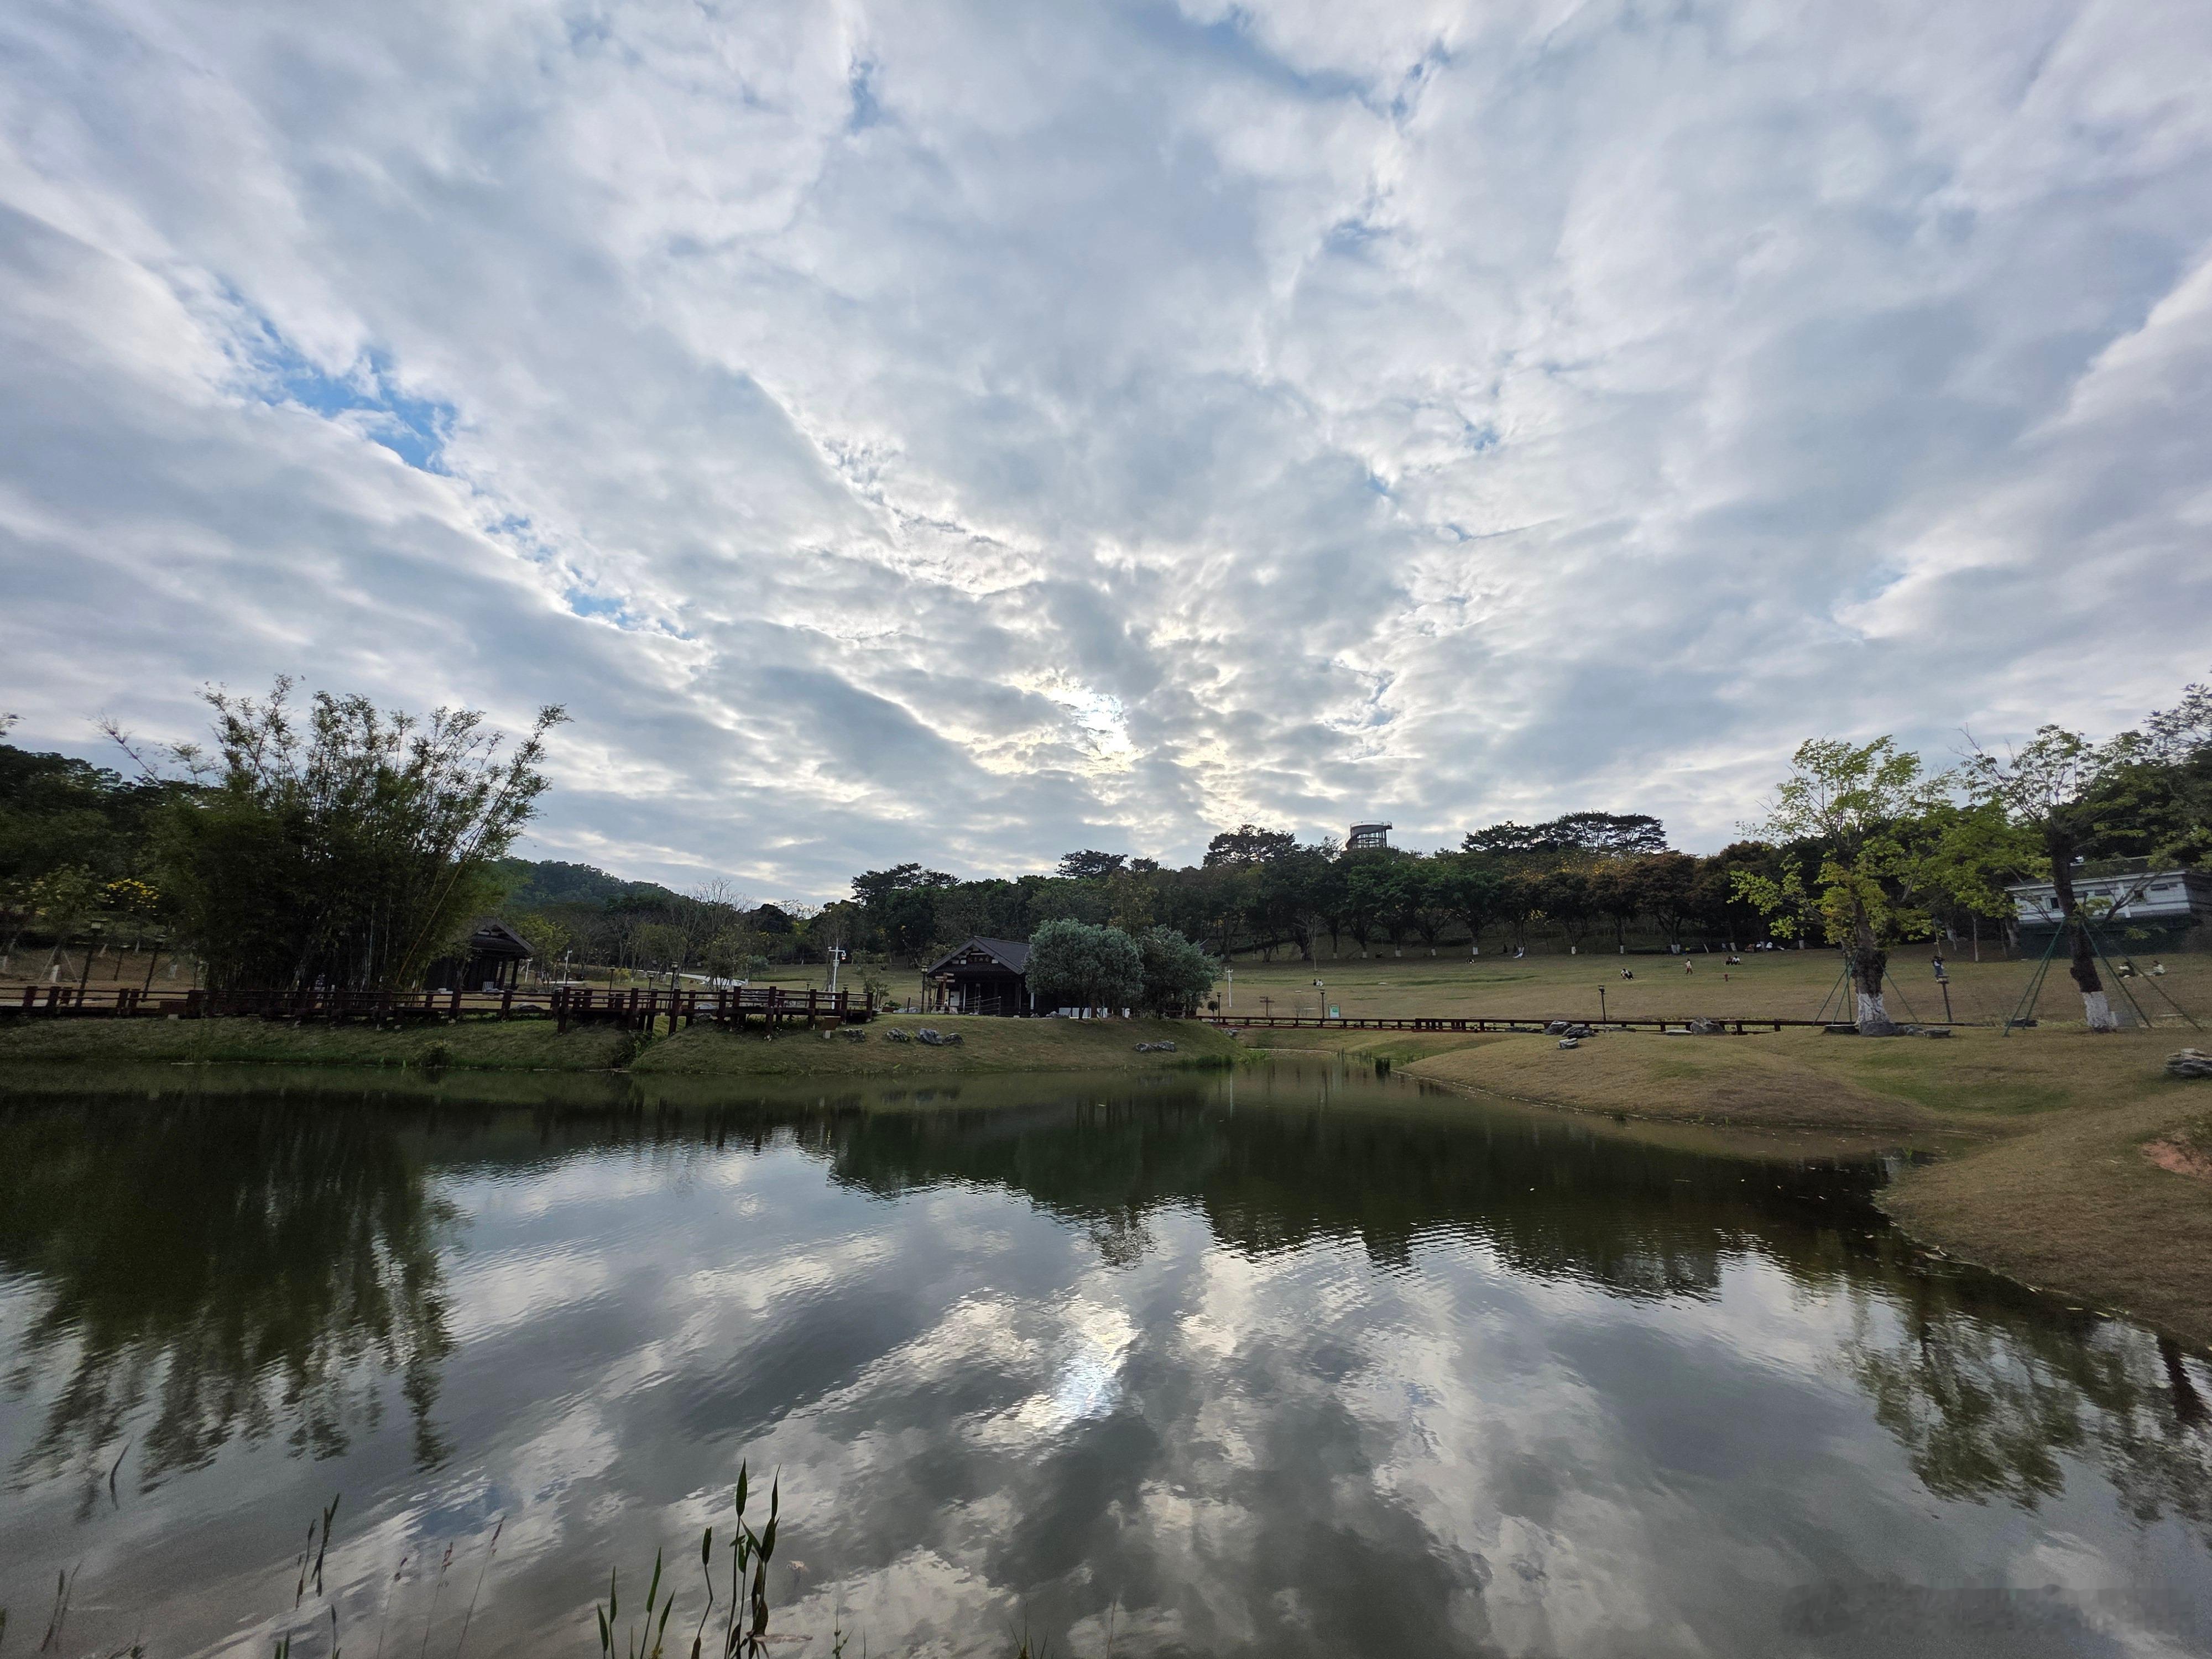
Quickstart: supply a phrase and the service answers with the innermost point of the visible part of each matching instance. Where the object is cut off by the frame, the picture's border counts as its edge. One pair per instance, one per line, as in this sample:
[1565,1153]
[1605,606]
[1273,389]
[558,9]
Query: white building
[2170,901]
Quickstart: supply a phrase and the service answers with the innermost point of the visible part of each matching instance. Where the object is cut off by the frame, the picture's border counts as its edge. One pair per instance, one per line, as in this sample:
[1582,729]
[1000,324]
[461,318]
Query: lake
[1299,1359]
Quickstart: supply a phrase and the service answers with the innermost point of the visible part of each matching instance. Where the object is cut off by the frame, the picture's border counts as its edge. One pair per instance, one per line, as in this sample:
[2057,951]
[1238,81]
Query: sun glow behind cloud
[929,432]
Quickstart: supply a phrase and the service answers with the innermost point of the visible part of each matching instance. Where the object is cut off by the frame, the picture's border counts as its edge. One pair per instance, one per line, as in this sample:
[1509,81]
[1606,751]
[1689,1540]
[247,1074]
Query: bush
[1076,964]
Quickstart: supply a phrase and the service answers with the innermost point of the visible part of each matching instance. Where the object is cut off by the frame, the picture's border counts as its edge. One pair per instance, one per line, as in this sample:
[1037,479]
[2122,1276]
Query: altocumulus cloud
[968,433]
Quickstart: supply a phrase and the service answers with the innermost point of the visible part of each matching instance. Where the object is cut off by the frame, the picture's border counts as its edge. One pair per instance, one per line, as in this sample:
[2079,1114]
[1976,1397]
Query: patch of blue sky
[367,398]
[1228,43]
[866,111]
[585,603]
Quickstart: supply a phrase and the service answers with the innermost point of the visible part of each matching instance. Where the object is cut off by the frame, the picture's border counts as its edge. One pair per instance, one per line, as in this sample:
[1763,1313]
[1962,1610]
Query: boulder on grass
[2189,1062]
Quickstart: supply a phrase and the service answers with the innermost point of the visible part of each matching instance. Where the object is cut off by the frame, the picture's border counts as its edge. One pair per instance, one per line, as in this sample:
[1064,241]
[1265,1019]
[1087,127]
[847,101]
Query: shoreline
[534,1045]
[2043,1169]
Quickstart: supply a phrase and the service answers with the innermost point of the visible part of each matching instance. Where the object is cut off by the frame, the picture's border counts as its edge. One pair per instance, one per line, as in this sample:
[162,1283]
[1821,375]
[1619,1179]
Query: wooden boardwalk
[735,1008]
[1509,1023]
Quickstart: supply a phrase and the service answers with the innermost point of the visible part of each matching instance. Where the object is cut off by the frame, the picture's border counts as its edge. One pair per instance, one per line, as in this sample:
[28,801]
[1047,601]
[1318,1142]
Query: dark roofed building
[983,976]
[491,961]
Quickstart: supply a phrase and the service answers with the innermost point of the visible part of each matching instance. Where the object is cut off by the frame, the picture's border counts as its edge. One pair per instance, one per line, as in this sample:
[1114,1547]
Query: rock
[1937,1031]
[1706,1028]
[1579,1031]
[935,1038]
[898,1034]
[1570,1042]
[1156,1048]
[853,1034]
[2189,1062]
[1557,1028]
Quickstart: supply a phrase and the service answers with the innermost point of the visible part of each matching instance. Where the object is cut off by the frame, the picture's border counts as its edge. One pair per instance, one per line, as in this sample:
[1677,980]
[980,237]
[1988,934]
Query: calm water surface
[1295,1362]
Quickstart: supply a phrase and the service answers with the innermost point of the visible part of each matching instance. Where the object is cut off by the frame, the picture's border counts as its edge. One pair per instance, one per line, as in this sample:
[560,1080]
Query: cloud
[929,432]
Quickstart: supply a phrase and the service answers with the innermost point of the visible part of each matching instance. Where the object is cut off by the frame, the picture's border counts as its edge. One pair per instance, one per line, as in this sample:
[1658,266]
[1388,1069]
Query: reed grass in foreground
[732,1623]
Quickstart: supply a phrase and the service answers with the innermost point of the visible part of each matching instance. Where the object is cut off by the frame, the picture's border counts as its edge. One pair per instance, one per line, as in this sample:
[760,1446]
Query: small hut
[490,960]
[983,976]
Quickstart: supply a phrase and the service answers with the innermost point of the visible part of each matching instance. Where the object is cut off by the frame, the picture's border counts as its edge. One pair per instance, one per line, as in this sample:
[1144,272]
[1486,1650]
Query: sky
[968,433]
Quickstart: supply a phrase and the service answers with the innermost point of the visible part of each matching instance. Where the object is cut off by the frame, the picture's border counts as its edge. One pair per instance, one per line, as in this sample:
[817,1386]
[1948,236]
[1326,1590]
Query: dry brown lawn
[1767,985]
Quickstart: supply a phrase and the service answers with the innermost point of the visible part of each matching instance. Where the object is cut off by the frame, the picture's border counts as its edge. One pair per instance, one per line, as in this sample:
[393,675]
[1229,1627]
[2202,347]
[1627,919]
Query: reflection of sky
[980,1423]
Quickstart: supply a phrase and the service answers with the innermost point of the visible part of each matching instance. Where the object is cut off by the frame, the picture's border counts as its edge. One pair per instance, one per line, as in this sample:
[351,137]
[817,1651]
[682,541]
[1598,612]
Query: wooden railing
[734,1008]
[1502,1023]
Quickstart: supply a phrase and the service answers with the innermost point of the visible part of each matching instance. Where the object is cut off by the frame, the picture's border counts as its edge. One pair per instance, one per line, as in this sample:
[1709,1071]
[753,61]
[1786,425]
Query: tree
[1564,896]
[1858,801]
[1666,891]
[1468,885]
[1503,840]
[1089,866]
[546,937]
[1431,893]
[1177,975]
[2178,745]
[1248,844]
[1297,891]
[1611,834]
[1516,902]
[1600,835]
[1371,893]
[901,903]
[353,849]
[1077,965]
[2067,792]
[1617,896]
[1977,850]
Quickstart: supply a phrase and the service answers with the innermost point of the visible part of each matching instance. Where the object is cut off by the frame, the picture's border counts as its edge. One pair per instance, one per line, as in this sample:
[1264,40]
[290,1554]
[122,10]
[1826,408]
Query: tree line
[327,839]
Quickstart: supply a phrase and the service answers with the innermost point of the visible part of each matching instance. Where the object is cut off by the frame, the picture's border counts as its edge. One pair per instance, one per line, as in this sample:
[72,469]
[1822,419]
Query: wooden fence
[1506,1022]
[734,1008]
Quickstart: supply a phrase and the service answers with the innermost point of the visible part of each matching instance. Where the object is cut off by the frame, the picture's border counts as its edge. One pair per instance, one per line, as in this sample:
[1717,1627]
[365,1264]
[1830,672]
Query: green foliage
[1863,805]
[1076,964]
[901,903]
[1248,844]
[355,849]
[1177,975]
[1576,835]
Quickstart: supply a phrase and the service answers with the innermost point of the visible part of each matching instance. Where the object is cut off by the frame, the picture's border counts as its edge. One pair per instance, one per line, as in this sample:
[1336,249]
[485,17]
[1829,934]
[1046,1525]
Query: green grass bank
[986,1045]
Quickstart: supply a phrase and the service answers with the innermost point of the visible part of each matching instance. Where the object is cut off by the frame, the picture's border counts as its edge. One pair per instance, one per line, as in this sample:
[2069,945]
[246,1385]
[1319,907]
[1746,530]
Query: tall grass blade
[490,1550]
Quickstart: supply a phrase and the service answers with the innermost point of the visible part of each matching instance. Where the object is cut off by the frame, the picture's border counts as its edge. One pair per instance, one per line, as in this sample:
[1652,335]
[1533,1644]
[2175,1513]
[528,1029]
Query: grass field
[1769,985]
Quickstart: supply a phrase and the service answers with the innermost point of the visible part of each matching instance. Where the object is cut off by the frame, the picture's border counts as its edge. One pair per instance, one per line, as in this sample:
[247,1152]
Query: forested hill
[536,883]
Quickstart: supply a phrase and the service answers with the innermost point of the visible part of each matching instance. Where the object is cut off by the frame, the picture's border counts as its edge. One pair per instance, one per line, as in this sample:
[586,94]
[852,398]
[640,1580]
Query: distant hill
[534,884]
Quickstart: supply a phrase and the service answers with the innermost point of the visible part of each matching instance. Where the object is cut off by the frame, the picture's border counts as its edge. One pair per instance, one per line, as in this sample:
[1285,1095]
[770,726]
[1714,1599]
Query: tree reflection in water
[1988,1392]
[1988,1387]
[206,1270]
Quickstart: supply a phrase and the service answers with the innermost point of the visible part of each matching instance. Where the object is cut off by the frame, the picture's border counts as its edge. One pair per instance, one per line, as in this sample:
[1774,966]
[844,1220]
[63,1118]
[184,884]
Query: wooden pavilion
[983,976]
[492,960]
